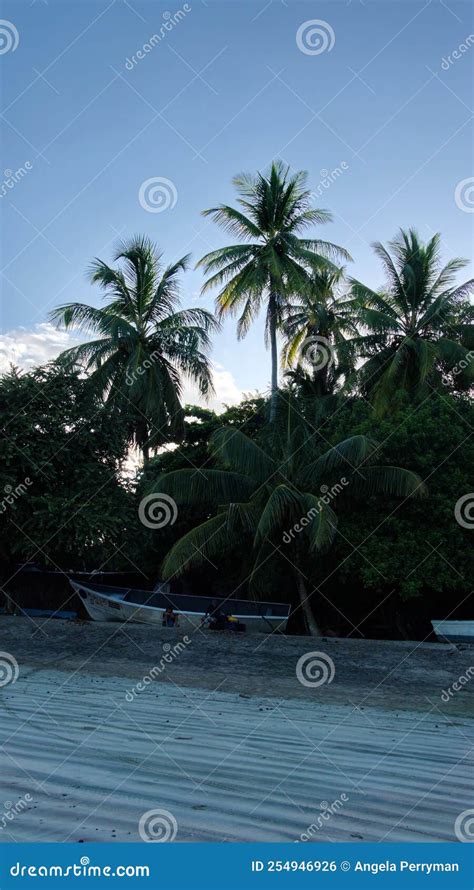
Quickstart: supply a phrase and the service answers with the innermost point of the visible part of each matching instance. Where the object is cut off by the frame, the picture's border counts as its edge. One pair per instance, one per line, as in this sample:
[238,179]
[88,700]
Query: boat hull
[454,631]
[113,607]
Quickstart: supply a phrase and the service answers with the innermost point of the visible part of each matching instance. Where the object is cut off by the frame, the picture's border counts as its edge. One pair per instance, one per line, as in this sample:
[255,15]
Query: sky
[103,139]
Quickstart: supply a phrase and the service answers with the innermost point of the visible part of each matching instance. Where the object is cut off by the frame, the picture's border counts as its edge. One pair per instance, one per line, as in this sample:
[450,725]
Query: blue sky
[226,89]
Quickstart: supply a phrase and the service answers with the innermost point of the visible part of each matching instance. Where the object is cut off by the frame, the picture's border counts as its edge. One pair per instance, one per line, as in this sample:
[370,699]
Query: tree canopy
[337,491]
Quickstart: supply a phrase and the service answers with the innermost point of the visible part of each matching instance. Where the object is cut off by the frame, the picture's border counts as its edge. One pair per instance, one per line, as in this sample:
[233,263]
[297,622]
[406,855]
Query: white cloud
[29,347]
[226,391]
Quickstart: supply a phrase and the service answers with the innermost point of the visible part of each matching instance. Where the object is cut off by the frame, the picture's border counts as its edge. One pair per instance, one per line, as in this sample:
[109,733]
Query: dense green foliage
[337,493]
[279,498]
[62,501]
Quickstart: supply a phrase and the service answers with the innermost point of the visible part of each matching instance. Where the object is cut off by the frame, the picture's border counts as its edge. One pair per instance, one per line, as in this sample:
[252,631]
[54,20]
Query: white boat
[148,606]
[454,631]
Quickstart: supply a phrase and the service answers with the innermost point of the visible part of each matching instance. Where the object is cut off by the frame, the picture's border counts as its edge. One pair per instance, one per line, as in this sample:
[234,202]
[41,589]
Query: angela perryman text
[371,867]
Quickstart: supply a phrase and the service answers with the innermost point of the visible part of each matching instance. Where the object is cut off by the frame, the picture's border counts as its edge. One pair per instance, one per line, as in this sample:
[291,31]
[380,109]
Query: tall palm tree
[272,499]
[274,259]
[145,343]
[419,328]
[317,326]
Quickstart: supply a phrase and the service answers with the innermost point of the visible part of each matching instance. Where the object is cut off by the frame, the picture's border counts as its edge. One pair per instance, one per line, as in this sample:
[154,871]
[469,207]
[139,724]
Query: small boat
[147,607]
[454,631]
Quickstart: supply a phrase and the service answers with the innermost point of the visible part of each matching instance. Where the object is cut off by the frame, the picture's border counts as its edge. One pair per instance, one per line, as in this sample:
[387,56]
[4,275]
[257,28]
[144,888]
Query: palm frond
[284,506]
[233,448]
[200,545]
[195,486]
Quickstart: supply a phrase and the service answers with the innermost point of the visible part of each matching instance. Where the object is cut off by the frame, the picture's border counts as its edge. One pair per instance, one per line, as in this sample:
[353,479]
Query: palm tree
[273,499]
[145,342]
[419,329]
[274,259]
[317,325]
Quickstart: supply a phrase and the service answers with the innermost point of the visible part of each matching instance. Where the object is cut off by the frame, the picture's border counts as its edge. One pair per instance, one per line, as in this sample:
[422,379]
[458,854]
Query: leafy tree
[419,329]
[274,259]
[272,499]
[414,555]
[150,546]
[145,343]
[63,503]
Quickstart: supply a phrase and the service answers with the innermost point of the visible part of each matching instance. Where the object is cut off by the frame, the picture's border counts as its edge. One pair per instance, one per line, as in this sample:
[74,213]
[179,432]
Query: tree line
[314,493]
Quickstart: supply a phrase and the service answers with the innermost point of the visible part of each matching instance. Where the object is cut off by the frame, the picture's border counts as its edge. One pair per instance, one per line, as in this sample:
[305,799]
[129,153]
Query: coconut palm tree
[280,500]
[274,259]
[145,344]
[317,326]
[419,328]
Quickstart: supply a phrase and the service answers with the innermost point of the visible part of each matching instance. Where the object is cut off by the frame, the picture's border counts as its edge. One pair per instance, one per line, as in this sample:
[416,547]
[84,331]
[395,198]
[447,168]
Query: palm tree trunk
[311,624]
[274,354]
[141,438]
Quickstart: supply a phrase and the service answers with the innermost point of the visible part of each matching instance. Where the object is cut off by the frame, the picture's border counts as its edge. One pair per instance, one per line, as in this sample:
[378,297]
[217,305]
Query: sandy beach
[227,740]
